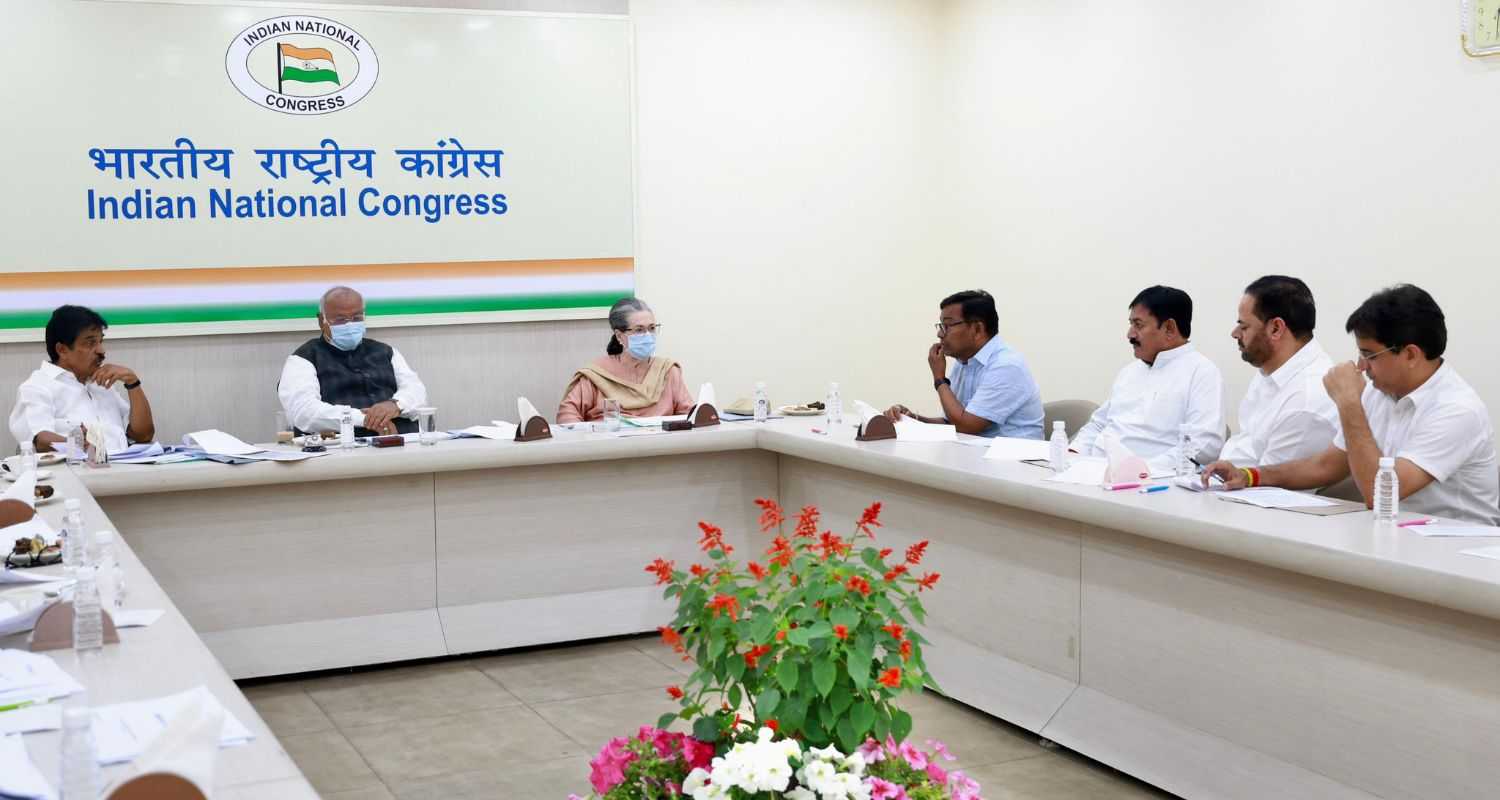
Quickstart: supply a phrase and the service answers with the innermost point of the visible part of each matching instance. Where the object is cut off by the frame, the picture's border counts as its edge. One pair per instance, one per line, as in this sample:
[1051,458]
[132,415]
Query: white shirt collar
[1166,357]
[53,371]
[1309,352]
[1429,387]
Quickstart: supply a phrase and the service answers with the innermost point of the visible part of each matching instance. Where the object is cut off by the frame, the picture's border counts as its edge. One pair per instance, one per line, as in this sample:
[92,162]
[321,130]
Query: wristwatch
[938,384]
[130,387]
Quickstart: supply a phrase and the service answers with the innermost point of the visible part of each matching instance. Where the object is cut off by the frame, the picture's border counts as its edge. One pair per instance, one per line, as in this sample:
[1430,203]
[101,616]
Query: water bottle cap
[760,384]
[1058,425]
[75,718]
[1387,462]
[72,504]
[104,537]
[833,386]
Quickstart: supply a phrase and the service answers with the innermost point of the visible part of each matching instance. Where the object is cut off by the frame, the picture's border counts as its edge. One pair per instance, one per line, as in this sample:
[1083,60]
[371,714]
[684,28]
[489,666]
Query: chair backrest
[1074,414]
[156,786]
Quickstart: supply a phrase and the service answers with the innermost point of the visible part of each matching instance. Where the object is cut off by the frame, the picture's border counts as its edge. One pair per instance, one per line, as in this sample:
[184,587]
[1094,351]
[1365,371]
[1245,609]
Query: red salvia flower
[869,519]
[726,603]
[807,522]
[896,572]
[885,551]
[781,636]
[928,581]
[758,571]
[780,551]
[905,649]
[840,632]
[674,692]
[832,544]
[773,725]
[662,569]
[896,631]
[713,538]
[754,654]
[770,513]
[915,552]
[858,584]
[671,638]
[891,677]
[698,570]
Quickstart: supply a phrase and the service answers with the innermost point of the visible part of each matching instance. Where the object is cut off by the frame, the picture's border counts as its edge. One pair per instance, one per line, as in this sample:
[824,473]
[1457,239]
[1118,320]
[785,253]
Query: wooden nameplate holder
[704,415]
[877,429]
[532,430]
[156,786]
[54,628]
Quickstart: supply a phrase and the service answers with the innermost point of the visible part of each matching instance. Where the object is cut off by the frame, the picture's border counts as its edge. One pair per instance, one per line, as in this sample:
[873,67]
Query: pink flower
[872,751]
[962,786]
[698,754]
[916,758]
[607,770]
[885,790]
[940,749]
[938,775]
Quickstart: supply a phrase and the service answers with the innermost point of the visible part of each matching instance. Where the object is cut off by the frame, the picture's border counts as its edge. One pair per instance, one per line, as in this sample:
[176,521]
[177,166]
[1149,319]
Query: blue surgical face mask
[348,335]
[642,345]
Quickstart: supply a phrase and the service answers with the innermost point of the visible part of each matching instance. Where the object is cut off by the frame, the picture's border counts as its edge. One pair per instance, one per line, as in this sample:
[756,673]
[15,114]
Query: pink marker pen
[1120,487]
[1415,522]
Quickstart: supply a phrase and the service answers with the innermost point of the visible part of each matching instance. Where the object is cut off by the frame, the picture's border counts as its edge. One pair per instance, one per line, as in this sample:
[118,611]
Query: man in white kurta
[1286,413]
[1168,386]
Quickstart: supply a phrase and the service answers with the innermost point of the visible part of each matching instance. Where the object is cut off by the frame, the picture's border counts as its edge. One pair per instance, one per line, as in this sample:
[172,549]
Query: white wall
[1097,148]
[786,192]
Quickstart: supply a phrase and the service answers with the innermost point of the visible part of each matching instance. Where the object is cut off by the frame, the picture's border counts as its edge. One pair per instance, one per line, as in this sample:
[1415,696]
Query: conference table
[1211,648]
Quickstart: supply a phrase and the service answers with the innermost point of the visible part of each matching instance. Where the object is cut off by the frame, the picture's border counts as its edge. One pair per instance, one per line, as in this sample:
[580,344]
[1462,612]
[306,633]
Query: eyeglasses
[942,327]
[640,329]
[1365,358]
[360,317]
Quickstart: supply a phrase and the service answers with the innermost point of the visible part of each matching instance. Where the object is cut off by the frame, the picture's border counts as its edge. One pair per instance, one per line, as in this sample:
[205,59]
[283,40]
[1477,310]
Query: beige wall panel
[327,644]
[1395,697]
[555,618]
[270,555]
[530,532]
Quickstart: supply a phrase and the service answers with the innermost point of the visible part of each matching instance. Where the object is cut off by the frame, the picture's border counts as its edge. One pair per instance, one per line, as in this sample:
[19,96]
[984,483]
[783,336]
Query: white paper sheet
[123,731]
[24,489]
[497,430]
[137,452]
[32,677]
[1483,552]
[18,621]
[219,443]
[1005,448]
[1274,497]
[1453,529]
[136,617]
[650,422]
[706,395]
[910,430]
[32,719]
[526,409]
[19,777]
[30,529]
[1083,470]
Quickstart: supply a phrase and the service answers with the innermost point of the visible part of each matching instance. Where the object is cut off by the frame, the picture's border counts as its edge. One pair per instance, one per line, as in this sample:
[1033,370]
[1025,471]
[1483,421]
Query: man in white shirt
[75,387]
[1169,386]
[1286,413]
[342,371]
[1415,409]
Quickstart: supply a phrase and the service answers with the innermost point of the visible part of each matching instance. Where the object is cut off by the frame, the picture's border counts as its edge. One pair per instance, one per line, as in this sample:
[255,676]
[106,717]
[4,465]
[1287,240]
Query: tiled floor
[524,725]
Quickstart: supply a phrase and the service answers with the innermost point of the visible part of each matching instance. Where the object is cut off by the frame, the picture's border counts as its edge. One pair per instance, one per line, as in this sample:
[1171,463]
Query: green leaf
[848,736]
[840,700]
[798,637]
[761,629]
[786,675]
[716,646]
[706,729]
[827,717]
[846,616]
[815,732]
[882,724]
[900,724]
[665,719]
[871,557]
[862,717]
[765,705]
[820,630]
[734,697]
[672,591]
[793,714]
[736,668]
[823,674]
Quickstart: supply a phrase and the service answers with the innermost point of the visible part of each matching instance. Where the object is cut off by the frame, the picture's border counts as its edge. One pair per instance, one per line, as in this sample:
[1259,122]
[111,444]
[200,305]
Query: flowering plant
[652,765]
[815,639]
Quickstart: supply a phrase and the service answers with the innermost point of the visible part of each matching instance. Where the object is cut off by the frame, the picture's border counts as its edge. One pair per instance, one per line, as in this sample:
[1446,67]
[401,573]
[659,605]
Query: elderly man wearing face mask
[343,371]
[630,373]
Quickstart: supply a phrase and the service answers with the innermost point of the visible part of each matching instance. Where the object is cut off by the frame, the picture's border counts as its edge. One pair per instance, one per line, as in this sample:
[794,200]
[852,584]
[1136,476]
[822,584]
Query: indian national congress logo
[301,65]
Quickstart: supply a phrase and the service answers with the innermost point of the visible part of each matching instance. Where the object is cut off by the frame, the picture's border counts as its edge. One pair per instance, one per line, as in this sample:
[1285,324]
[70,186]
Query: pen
[1120,487]
[1414,522]
[14,706]
[820,430]
[1154,489]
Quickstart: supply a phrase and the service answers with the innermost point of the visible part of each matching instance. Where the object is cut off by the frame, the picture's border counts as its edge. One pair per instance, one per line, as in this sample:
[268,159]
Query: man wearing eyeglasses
[990,391]
[1167,386]
[343,371]
[1414,408]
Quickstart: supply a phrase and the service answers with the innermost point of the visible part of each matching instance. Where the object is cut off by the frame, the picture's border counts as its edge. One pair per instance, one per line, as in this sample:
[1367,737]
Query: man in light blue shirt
[990,391]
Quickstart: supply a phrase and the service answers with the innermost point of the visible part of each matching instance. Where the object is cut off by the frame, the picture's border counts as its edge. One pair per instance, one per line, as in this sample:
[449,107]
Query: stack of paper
[27,678]
[19,777]
[218,443]
[124,731]
[1273,497]
[1005,448]
[14,620]
[24,489]
[497,429]
[911,430]
[1453,529]
[1083,470]
[1483,552]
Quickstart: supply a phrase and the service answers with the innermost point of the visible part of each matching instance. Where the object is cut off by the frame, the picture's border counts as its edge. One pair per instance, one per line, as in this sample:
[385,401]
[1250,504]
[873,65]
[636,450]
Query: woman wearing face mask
[630,372]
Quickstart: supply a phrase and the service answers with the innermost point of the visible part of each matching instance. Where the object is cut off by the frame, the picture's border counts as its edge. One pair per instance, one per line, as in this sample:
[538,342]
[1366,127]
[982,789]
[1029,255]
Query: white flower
[829,753]
[695,780]
[854,764]
[800,793]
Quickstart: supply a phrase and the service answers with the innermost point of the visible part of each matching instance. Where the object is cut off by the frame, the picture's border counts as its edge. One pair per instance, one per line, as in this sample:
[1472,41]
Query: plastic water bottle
[88,625]
[762,403]
[72,535]
[76,445]
[28,458]
[78,767]
[106,570]
[346,430]
[1057,451]
[1387,493]
[833,406]
[1185,452]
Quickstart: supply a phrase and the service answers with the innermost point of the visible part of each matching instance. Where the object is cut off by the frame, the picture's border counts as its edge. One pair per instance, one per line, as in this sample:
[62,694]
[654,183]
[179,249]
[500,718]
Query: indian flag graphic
[304,65]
